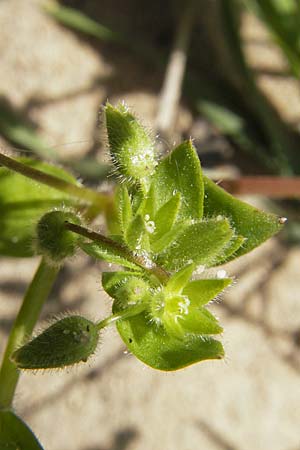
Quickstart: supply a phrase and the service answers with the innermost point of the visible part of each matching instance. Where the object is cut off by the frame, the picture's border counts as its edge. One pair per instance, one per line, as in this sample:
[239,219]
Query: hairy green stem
[26,319]
[128,312]
[88,195]
[123,251]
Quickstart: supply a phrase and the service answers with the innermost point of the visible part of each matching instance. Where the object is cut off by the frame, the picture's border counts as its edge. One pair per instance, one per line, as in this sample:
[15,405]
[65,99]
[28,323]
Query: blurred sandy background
[249,402]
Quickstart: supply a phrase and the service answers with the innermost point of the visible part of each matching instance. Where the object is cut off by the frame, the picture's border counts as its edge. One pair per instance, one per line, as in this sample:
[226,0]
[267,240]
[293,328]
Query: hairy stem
[26,319]
[123,251]
[128,312]
[88,195]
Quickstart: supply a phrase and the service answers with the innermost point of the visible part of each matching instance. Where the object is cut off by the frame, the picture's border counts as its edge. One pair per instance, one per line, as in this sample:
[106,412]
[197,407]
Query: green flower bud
[134,290]
[66,342]
[131,147]
[53,240]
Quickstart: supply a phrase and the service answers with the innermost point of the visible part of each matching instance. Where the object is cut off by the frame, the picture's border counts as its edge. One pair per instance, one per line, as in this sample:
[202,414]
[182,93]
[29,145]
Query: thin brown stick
[269,186]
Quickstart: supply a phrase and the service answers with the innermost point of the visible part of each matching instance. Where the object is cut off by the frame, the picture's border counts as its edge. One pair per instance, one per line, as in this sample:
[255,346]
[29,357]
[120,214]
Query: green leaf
[200,292]
[149,206]
[23,202]
[75,19]
[180,172]
[162,243]
[125,209]
[131,148]
[254,225]
[135,233]
[153,346]
[69,341]
[231,250]
[15,434]
[199,243]
[178,281]
[165,217]
[108,254]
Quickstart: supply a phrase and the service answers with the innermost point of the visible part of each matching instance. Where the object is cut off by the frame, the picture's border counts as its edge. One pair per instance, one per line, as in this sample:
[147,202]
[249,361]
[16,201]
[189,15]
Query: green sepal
[200,321]
[15,434]
[254,225]
[180,172]
[23,202]
[199,243]
[180,317]
[128,288]
[131,147]
[124,207]
[179,280]
[156,348]
[108,254]
[165,218]
[111,281]
[66,342]
[200,292]
[53,240]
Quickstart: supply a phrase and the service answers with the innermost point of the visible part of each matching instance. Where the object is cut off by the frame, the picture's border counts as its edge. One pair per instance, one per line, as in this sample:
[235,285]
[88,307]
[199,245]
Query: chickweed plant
[166,225]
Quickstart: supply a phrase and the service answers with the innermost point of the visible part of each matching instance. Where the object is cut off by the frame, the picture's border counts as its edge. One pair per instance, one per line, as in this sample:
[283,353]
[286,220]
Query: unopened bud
[66,342]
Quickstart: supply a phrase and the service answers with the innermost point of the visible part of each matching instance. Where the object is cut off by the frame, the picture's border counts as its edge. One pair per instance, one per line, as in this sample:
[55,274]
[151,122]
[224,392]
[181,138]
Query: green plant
[165,222]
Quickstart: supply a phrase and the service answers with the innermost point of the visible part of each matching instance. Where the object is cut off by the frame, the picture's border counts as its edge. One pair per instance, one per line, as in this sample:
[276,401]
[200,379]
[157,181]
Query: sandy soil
[250,401]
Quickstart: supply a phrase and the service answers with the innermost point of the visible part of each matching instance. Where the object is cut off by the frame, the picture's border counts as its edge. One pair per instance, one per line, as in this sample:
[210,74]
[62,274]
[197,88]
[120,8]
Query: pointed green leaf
[180,172]
[166,239]
[135,233]
[23,202]
[149,206]
[230,252]
[15,434]
[124,206]
[178,281]
[200,292]
[131,147]
[200,321]
[106,253]
[165,217]
[153,346]
[256,226]
[200,243]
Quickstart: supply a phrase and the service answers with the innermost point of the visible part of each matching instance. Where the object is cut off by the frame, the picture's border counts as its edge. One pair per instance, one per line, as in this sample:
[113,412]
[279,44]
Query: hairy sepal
[131,147]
